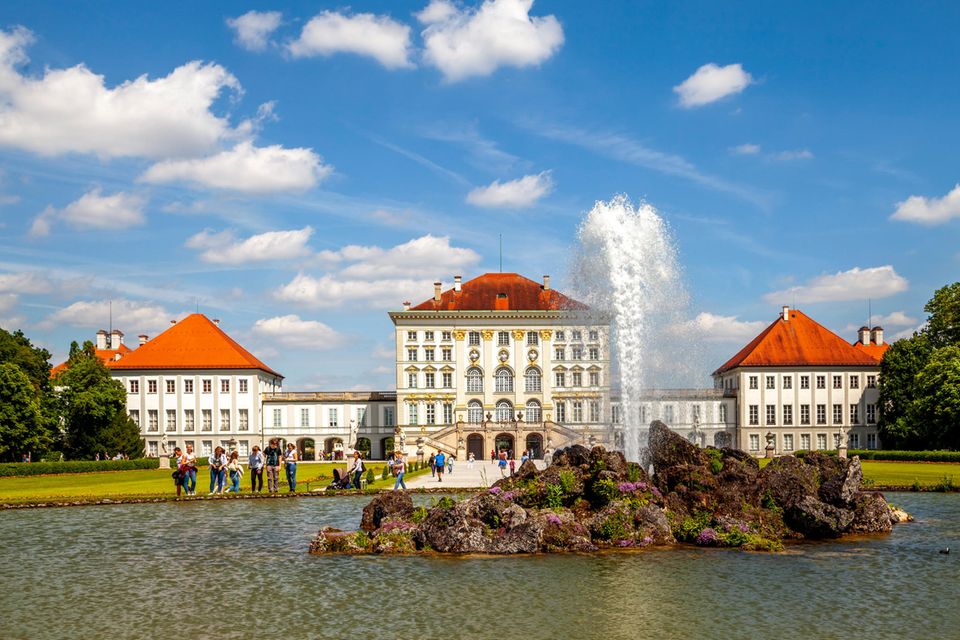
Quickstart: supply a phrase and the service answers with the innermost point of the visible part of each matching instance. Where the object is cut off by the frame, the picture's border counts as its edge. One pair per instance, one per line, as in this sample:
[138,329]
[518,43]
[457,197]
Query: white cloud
[254,28]
[291,331]
[128,315]
[366,34]
[716,328]
[225,248]
[94,211]
[746,149]
[515,194]
[855,284]
[328,291]
[929,211]
[246,169]
[711,83]
[8,321]
[72,110]
[794,154]
[475,42]
[894,319]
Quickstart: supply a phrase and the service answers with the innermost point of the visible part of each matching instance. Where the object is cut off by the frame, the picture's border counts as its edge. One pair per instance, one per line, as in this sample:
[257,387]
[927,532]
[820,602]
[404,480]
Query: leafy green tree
[901,364]
[943,324]
[93,409]
[23,426]
[33,361]
[936,409]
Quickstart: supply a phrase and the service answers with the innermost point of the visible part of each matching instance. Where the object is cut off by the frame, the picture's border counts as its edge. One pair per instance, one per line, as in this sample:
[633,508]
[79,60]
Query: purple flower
[496,490]
[554,520]
[656,492]
[647,540]
[625,543]
[707,537]
[626,487]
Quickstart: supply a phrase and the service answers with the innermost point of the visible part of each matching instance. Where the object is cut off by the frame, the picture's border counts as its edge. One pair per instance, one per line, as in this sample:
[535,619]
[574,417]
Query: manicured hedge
[898,456]
[74,466]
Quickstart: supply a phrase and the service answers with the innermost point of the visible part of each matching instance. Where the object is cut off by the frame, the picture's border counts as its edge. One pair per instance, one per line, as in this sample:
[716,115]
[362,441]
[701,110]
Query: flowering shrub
[495,491]
[707,537]
[554,520]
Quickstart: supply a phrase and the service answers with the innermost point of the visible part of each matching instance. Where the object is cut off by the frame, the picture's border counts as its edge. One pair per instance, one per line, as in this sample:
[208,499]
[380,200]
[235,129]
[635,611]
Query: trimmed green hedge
[74,466]
[897,456]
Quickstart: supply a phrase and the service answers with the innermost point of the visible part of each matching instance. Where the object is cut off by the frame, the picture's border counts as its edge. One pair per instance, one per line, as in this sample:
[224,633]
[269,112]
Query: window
[225,386]
[821,441]
[362,416]
[821,414]
[561,409]
[446,336]
[871,413]
[722,413]
[577,379]
[431,413]
[578,353]
[788,442]
[577,410]
[594,379]
[474,380]
[412,354]
[615,414]
[754,442]
[135,416]
[243,420]
[804,414]
[447,379]
[503,338]
[559,379]
[533,339]
[243,448]
[838,382]
[594,353]
[837,414]
[668,414]
[304,417]
[753,382]
[771,414]
[504,411]
[805,441]
[804,382]
[206,448]
[871,441]
[151,386]
[821,382]
[854,414]
[171,386]
[333,417]
[447,413]
[771,382]
[754,414]
[153,420]
[788,382]
[429,380]
[446,354]
[787,415]
[503,380]
[428,336]
[474,412]
[854,441]
[171,420]
[411,336]
[576,336]
[134,386]
[224,419]
[429,354]
[594,411]
[533,411]
[532,381]
[854,382]
[643,414]
[388,416]
[242,385]
[152,449]
[871,382]
[412,380]
[474,338]
[207,415]
[560,336]
[594,335]
[188,386]
[207,385]
[277,417]
[559,353]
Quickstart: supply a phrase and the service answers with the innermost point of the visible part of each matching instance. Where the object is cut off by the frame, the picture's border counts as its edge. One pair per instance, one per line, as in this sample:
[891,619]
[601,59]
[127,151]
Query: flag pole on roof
[501,253]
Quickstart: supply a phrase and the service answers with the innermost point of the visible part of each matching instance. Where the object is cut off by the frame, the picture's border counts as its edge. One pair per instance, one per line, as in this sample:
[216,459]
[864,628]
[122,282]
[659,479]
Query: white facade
[706,417]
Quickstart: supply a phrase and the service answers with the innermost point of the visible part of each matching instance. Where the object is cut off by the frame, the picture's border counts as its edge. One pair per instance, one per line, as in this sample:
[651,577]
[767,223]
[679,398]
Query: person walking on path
[236,472]
[513,466]
[503,465]
[356,472]
[433,465]
[470,459]
[493,456]
[399,467]
[440,461]
[524,457]
[256,463]
[218,471]
[450,464]
[190,471]
[290,462]
[272,456]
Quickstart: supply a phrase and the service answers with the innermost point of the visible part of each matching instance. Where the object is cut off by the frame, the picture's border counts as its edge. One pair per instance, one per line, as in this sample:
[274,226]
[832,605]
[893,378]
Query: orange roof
[193,343]
[875,350]
[106,355]
[799,341]
[500,292]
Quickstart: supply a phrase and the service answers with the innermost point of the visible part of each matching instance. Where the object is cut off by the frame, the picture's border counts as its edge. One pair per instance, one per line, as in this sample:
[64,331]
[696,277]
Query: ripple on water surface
[239,569]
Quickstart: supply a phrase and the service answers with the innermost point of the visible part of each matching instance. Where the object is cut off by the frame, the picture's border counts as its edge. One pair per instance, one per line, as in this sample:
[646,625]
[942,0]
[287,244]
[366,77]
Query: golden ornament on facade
[546,334]
[487,334]
[459,335]
[518,334]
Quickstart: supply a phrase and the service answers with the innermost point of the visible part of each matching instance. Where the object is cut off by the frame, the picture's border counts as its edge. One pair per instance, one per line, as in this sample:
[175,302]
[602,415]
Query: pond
[239,569]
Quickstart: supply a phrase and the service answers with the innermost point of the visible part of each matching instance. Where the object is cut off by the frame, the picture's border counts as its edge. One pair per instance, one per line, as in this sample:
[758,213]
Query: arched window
[504,411]
[504,380]
[474,380]
[533,411]
[474,412]
[532,380]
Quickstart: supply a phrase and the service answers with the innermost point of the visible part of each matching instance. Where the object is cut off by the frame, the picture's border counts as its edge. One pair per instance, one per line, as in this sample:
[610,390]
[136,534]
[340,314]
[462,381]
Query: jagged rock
[817,519]
[787,480]
[872,514]
[612,461]
[839,479]
[395,504]
[527,471]
[667,449]
[573,456]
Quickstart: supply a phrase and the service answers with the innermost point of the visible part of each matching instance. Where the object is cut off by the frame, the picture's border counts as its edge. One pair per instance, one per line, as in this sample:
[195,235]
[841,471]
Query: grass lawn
[905,474]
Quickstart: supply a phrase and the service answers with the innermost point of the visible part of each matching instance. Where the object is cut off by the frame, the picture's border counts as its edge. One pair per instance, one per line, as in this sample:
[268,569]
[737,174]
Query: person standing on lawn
[256,463]
[272,456]
[356,472]
[236,472]
[399,467]
[290,463]
[189,467]
[218,470]
[178,472]
[440,461]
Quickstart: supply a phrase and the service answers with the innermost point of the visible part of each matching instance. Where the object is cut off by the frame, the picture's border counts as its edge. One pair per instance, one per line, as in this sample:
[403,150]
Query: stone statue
[399,438]
[354,430]
[163,444]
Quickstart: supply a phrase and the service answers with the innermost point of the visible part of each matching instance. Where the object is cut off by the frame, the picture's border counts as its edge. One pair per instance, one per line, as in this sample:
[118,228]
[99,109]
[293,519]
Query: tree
[901,364]
[23,426]
[33,361]
[936,409]
[943,324]
[93,409]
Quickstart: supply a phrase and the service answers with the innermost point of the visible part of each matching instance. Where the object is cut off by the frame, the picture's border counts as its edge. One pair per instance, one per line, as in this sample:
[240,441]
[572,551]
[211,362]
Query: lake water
[214,570]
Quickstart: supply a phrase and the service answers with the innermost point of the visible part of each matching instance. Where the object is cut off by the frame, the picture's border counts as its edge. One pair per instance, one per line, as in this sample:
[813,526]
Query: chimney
[457,283]
[116,339]
[864,335]
[786,313]
[502,303]
[173,322]
[877,335]
[143,338]
[406,305]
[436,291]
[546,283]
[216,321]
[102,339]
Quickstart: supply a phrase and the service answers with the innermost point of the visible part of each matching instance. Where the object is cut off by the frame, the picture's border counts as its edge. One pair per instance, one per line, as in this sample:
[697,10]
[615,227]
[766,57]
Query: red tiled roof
[500,292]
[193,343]
[875,350]
[799,341]
[106,355]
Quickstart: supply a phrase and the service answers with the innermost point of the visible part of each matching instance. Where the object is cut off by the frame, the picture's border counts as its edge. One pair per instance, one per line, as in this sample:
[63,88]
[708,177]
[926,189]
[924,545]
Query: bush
[896,456]
[385,473]
[75,466]
[371,478]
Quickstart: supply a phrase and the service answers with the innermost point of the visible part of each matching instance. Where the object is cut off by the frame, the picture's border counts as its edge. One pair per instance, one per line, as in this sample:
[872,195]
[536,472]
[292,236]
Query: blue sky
[300,170]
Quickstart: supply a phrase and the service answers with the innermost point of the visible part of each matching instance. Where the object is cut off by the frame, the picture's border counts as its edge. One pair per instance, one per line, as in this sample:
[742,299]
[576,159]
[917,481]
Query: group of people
[505,460]
[440,462]
[223,466]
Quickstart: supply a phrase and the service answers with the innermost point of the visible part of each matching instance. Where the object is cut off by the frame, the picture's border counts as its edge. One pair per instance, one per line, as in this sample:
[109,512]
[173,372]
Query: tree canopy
[23,426]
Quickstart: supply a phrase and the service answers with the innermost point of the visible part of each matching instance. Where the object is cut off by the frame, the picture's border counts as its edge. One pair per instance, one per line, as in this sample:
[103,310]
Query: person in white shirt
[357,471]
[256,463]
[290,462]
[188,464]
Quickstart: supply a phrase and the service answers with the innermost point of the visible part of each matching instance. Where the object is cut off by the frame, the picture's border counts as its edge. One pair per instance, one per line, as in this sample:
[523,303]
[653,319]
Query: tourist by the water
[218,470]
[502,463]
[449,464]
[513,466]
[177,474]
[290,464]
[440,460]
[356,471]
[524,457]
[272,456]
[256,462]
[400,467]
[470,459]
[236,472]
[433,465]
[188,465]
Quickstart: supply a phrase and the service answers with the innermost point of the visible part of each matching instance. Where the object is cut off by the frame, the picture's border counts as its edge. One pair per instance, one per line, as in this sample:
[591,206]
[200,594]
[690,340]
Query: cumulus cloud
[463,42]
[292,331]
[746,149]
[929,211]
[379,37]
[226,248]
[855,284]
[711,83]
[254,28]
[793,154]
[515,194]
[25,282]
[93,210]
[894,319]
[329,291]
[716,328]
[8,320]
[72,110]
[129,315]
[246,169]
